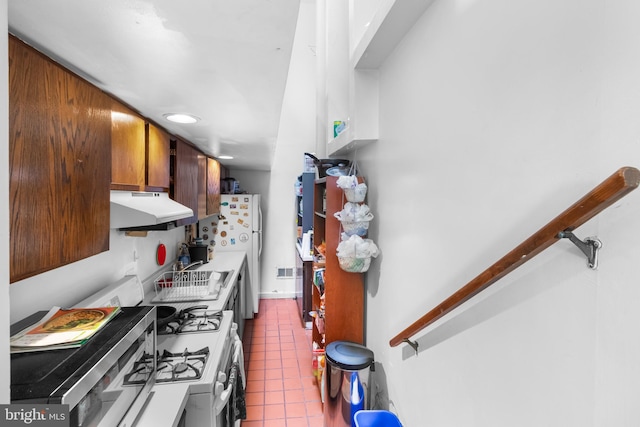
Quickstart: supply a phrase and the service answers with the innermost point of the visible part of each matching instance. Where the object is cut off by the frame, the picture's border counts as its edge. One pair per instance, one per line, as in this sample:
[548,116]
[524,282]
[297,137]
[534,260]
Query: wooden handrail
[623,181]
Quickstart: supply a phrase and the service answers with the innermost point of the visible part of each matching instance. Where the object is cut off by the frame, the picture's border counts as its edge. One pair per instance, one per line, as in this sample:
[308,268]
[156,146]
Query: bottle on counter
[183,255]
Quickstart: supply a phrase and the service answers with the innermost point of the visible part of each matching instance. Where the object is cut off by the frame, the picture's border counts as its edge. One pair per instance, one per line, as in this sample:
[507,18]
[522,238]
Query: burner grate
[194,319]
[142,369]
[185,366]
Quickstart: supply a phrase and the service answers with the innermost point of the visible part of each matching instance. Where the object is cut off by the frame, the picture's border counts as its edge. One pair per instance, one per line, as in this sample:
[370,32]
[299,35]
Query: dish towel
[238,406]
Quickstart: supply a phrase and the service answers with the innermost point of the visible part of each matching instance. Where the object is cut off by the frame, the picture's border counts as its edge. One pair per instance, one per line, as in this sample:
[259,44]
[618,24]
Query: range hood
[145,210]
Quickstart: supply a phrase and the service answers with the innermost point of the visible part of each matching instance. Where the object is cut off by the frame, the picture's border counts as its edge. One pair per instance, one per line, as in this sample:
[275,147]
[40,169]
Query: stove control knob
[222,377]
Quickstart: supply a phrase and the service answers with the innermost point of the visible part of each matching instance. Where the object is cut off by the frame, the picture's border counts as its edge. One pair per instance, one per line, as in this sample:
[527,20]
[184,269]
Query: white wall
[65,286]
[496,116]
[4,205]
[296,136]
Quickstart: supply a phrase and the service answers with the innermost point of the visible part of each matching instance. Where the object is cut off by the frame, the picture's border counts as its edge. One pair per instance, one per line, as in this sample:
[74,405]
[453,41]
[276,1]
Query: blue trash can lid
[376,418]
[349,355]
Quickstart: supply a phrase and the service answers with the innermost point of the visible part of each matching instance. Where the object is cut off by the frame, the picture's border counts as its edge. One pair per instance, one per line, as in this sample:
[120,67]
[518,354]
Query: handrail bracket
[589,246]
[413,344]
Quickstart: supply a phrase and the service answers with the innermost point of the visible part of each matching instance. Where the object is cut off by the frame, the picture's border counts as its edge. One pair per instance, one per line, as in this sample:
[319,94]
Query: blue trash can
[346,382]
[376,419]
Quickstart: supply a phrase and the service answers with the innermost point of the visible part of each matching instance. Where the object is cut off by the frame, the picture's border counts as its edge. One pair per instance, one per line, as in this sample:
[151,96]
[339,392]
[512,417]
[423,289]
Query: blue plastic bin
[376,418]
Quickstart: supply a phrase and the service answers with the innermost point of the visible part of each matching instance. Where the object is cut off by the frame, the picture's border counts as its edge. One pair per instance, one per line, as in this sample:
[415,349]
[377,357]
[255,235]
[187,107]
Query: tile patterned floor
[281,389]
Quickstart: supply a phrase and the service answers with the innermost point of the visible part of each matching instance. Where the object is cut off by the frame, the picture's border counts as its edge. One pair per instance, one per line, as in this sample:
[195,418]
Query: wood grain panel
[202,185]
[185,179]
[213,186]
[158,157]
[127,147]
[344,295]
[59,165]
[344,291]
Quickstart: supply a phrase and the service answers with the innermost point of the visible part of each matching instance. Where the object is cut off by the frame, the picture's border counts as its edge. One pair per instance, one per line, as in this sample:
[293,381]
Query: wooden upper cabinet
[158,158]
[59,164]
[140,152]
[185,179]
[128,149]
[213,186]
[202,186]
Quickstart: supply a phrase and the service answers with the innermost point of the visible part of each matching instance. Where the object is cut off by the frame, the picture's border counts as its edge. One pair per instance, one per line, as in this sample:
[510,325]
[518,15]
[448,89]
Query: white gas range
[200,368]
[200,378]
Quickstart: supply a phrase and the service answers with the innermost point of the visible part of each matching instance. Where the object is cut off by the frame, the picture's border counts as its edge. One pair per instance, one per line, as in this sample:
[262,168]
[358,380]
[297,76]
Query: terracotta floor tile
[255,386]
[257,364]
[289,354]
[287,346]
[255,375]
[309,383]
[286,338]
[258,355]
[255,413]
[290,372]
[295,410]
[273,374]
[272,363]
[258,347]
[312,394]
[281,389]
[275,423]
[292,383]
[272,346]
[273,411]
[273,339]
[314,408]
[272,397]
[313,422]
[291,396]
[288,362]
[272,385]
[255,398]
[296,422]
[274,354]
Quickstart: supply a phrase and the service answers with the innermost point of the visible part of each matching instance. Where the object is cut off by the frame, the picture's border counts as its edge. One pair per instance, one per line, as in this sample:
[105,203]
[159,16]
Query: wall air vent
[284,272]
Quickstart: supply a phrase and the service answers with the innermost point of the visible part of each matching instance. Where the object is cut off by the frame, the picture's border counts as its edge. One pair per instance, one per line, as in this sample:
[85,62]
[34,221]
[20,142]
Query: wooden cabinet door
[158,158]
[185,179]
[202,186]
[59,165]
[213,186]
[127,148]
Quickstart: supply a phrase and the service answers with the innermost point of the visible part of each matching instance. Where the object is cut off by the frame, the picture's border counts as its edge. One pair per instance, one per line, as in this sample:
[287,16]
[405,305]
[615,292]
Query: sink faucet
[190,265]
[177,267]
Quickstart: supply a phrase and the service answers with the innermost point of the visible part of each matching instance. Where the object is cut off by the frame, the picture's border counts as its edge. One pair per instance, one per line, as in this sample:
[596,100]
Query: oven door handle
[238,357]
[224,394]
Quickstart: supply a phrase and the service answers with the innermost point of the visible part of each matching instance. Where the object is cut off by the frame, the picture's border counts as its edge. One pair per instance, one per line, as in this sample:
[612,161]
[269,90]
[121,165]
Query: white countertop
[304,257]
[223,261]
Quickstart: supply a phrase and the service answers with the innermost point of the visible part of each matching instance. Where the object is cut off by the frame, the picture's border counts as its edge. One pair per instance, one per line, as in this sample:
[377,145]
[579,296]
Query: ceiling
[224,61]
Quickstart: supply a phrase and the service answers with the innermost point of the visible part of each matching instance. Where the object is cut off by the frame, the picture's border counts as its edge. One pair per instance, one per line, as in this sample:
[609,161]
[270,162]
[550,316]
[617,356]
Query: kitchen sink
[190,285]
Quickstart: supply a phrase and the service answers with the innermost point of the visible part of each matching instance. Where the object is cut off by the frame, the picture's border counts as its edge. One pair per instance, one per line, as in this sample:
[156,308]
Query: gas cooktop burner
[183,366]
[195,319]
[142,369]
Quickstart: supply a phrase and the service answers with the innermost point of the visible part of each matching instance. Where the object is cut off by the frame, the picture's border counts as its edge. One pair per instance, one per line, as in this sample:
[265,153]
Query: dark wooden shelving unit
[343,291]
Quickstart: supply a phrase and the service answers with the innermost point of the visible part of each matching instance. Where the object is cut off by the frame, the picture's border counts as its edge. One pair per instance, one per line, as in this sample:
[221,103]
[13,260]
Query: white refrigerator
[239,228]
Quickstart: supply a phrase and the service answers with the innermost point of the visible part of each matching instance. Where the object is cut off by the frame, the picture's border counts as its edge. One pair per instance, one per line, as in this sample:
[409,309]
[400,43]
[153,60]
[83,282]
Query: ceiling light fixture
[181,118]
[225,157]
